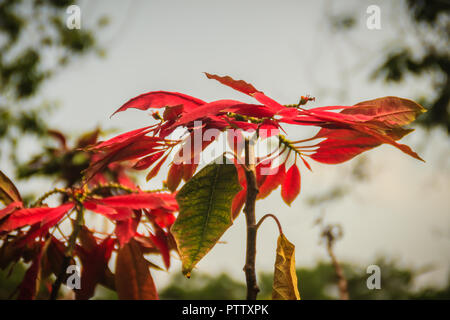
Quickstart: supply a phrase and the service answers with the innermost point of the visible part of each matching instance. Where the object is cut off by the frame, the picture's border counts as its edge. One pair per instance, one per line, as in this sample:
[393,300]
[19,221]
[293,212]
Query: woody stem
[249,211]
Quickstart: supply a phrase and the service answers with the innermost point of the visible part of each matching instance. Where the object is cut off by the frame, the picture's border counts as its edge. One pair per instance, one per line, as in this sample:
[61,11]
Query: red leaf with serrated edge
[133,278]
[238,203]
[30,283]
[30,216]
[290,188]
[146,162]
[239,85]
[160,99]
[174,176]
[272,181]
[94,265]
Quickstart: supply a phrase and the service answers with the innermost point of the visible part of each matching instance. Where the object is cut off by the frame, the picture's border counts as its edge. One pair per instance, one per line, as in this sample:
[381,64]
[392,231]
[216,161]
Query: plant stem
[69,252]
[274,218]
[249,211]
[342,281]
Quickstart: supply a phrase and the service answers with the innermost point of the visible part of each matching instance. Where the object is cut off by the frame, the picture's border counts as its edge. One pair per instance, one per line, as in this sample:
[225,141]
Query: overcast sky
[287,49]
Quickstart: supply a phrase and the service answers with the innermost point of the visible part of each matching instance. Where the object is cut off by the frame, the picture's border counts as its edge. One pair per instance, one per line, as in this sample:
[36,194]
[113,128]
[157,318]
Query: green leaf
[205,211]
[8,191]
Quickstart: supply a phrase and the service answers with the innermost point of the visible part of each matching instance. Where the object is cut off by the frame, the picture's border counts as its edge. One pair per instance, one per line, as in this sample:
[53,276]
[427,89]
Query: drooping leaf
[133,278]
[285,286]
[205,211]
[290,187]
[272,181]
[8,191]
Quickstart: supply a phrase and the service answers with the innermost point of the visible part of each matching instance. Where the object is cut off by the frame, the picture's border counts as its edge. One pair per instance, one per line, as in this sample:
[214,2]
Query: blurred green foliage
[432,27]
[34,44]
[315,283]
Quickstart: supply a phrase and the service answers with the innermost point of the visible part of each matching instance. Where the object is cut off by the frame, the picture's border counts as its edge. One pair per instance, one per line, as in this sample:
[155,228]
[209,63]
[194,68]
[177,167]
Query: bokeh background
[393,210]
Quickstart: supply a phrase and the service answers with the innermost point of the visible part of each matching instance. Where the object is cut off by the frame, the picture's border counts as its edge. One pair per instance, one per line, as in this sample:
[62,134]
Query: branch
[342,281]
[69,252]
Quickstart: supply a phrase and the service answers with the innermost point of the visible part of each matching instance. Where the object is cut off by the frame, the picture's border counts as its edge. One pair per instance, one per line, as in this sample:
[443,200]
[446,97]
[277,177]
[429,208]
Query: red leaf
[269,102]
[133,278]
[161,242]
[174,176]
[94,265]
[172,113]
[156,168]
[146,162]
[272,182]
[136,201]
[208,109]
[160,99]
[126,229]
[239,85]
[123,138]
[25,217]
[10,208]
[391,111]
[291,185]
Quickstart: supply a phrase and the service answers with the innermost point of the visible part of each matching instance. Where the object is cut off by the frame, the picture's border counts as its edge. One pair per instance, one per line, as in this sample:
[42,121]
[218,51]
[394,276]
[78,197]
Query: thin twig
[274,218]
[342,281]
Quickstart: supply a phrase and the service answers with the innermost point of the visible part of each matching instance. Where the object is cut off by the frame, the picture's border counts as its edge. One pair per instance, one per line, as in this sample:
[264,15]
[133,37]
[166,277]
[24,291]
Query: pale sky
[287,49]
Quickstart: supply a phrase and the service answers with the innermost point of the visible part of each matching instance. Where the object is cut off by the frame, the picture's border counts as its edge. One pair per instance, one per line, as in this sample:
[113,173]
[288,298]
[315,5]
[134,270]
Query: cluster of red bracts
[125,211]
[342,135]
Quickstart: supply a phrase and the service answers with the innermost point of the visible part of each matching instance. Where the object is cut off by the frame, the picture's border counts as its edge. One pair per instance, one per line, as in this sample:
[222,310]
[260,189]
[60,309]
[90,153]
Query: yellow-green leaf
[205,211]
[133,279]
[285,285]
[8,191]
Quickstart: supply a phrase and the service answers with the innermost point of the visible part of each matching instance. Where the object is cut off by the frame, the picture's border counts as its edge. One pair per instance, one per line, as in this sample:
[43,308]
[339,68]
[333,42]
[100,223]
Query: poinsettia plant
[256,159]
